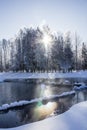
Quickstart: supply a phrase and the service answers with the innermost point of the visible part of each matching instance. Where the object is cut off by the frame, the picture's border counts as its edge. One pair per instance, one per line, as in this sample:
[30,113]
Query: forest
[41,50]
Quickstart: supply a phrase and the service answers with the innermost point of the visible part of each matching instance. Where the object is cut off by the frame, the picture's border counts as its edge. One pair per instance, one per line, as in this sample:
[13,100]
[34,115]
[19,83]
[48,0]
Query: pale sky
[60,15]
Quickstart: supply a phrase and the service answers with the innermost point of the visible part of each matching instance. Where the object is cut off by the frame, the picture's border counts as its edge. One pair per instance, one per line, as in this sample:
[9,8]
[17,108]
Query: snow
[73,119]
[66,82]
[76,88]
[21,75]
[24,102]
[79,86]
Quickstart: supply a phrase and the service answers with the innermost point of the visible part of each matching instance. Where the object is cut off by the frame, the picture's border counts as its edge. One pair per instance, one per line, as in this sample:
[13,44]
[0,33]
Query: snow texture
[21,75]
[76,88]
[79,86]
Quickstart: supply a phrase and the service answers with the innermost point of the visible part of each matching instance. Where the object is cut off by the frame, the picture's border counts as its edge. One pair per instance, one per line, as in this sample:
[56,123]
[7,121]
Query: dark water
[17,91]
[11,91]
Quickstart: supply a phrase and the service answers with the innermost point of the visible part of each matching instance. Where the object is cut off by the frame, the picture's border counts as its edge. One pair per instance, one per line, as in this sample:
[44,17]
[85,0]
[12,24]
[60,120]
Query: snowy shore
[21,75]
[73,119]
[24,102]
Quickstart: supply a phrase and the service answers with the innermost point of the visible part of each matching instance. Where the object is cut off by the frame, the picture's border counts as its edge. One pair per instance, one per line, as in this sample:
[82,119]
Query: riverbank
[21,75]
[73,119]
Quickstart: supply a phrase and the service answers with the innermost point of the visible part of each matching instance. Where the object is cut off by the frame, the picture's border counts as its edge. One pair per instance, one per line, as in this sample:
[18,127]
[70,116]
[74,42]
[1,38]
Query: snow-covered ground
[20,75]
[73,119]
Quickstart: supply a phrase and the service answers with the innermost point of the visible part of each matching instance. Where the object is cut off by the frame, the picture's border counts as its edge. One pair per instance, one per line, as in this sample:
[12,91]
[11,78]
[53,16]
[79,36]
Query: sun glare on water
[47,93]
[44,111]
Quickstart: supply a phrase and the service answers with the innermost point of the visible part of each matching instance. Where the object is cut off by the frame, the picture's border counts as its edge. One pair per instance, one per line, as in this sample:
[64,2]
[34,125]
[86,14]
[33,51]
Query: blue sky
[61,15]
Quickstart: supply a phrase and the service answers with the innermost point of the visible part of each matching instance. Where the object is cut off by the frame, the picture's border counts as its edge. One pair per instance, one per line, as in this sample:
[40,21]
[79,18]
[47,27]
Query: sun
[46,40]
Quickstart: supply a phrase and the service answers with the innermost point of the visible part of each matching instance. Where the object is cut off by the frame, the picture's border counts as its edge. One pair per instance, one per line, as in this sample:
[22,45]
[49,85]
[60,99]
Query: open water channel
[31,89]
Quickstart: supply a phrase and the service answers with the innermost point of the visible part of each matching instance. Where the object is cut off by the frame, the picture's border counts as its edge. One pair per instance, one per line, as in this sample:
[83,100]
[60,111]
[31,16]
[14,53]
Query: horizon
[61,16]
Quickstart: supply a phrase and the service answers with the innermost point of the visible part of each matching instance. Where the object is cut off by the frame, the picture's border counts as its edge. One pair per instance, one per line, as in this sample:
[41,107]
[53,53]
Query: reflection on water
[10,92]
[44,111]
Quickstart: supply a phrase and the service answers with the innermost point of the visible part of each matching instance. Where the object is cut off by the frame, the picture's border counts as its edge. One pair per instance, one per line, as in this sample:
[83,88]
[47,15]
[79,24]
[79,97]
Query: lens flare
[44,111]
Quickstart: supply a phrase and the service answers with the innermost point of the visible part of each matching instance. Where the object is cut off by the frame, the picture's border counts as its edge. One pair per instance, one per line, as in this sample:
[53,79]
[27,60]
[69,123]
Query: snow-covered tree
[5,56]
[57,53]
[1,65]
[84,56]
[38,49]
[68,54]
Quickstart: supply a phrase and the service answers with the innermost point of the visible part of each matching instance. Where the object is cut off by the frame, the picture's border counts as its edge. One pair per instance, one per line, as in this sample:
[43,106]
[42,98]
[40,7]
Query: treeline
[40,50]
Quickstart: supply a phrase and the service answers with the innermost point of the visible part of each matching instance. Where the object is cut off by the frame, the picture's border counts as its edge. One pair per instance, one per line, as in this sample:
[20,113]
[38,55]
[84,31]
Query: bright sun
[46,40]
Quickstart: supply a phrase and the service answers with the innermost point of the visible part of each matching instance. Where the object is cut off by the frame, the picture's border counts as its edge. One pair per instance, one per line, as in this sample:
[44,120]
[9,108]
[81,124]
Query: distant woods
[30,51]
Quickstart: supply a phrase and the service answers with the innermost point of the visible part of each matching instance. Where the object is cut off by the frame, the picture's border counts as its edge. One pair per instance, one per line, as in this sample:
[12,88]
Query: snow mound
[24,102]
[79,86]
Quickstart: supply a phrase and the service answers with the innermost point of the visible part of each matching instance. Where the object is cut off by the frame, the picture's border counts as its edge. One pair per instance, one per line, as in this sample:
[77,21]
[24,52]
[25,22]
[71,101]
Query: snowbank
[79,86]
[20,75]
[73,119]
[24,102]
